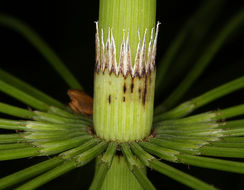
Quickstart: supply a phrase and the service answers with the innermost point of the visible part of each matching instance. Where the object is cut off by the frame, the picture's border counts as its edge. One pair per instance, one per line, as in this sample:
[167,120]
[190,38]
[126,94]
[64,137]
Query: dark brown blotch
[144,95]
[139,91]
[109,98]
[123,99]
[124,88]
[132,85]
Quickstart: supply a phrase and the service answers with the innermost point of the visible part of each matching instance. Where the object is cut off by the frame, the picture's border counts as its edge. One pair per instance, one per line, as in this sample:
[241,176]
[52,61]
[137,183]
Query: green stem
[103,165]
[119,176]
[127,17]
[125,69]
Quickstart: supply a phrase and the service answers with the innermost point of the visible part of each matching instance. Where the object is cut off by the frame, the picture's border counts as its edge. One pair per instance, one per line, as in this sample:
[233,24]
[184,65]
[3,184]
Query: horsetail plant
[120,128]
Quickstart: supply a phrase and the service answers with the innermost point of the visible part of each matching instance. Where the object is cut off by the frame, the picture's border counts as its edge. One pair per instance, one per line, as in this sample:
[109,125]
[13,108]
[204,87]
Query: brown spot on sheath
[109,98]
[123,99]
[144,95]
[132,85]
[80,102]
[124,87]
[139,91]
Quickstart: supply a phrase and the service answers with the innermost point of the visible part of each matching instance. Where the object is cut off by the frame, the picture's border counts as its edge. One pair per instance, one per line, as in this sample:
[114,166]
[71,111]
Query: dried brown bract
[81,102]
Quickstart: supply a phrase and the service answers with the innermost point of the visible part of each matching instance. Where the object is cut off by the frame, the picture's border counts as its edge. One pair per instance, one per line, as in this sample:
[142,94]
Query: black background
[69,28]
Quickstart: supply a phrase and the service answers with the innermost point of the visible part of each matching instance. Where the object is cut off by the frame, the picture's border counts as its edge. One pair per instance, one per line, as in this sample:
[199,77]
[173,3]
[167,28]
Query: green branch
[28,89]
[189,106]
[203,61]
[196,36]
[29,172]
[167,170]
[42,47]
[15,111]
[22,96]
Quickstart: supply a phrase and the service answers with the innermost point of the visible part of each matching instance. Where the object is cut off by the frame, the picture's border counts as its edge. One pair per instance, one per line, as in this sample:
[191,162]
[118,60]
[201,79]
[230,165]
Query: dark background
[69,28]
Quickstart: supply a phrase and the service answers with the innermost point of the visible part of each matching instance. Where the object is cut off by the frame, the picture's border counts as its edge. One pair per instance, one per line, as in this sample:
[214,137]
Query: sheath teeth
[106,54]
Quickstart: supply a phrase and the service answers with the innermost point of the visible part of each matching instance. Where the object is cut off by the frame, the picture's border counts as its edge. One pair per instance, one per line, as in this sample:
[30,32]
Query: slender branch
[212,163]
[189,106]
[46,136]
[90,154]
[178,146]
[53,118]
[227,144]
[69,154]
[22,96]
[77,161]
[42,47]
[54,147]
[165,153]
[11,125]
[25,87]
[15,111]
[182,138]
[198,118]
[13,146]
[213,116]
[49,175]
[187,127]
[233,139]
[19,153]
[207,162]
[231,112]
[29,172]
[198,132]
[165,169]
[11,138]
[222,152]
[208,7]
[203,61]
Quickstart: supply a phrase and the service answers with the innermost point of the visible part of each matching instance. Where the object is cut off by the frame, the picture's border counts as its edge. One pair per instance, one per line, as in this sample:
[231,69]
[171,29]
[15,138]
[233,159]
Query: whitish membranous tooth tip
[143,63]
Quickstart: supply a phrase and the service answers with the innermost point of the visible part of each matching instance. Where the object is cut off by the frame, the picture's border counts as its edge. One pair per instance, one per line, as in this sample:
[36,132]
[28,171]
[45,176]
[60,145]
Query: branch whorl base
[145,56]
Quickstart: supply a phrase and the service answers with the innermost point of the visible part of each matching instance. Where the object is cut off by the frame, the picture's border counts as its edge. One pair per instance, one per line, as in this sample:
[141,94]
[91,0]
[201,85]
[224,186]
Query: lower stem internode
[119,176]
